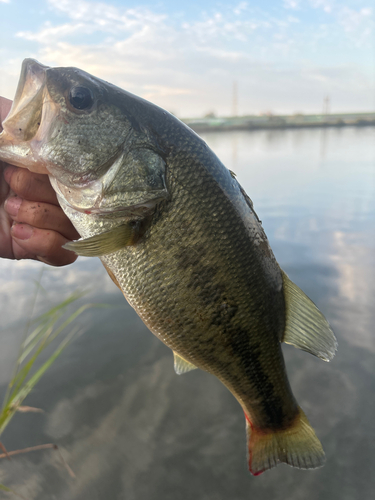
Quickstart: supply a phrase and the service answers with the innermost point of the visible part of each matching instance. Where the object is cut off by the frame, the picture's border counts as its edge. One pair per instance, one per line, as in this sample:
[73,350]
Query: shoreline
[272,122]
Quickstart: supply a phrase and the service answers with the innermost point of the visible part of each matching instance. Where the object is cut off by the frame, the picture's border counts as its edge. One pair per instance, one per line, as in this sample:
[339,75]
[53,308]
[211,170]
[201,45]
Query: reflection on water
[131,429]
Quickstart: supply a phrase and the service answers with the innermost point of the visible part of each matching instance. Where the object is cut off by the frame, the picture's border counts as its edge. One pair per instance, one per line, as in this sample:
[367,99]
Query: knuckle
[39,215]
[20,183]
[54,254]
[27,184]
[53,243]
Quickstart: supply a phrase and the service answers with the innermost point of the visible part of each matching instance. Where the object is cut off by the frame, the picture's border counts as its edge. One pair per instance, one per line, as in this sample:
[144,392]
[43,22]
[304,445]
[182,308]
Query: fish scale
[187,288]
[179,236]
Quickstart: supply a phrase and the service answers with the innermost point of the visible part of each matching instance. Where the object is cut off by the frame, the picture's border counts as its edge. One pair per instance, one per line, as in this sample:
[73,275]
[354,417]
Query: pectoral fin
[305,327]
[104,243]
[181,365]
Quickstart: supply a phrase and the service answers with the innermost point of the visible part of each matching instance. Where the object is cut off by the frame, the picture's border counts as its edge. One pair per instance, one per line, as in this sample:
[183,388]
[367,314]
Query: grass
[26,374]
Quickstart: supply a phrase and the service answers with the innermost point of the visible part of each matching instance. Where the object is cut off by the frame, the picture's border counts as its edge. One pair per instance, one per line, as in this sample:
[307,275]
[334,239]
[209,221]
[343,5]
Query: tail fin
[296,446]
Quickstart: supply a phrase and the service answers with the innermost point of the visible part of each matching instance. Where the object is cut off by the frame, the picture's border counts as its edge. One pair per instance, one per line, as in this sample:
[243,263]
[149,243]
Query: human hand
[32,224]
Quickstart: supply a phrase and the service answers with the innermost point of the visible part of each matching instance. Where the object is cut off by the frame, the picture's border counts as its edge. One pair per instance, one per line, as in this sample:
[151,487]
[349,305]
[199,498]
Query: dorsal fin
[181,365]
[305,326]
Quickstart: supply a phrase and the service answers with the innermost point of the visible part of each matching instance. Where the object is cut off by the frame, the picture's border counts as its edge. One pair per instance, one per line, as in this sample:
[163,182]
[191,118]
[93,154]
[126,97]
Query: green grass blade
[8,490]
[72,298]
[37,331]
[17,398]
[5,488]
[22,384]
[29,385]
[30,315]
[45,337]
[40,333]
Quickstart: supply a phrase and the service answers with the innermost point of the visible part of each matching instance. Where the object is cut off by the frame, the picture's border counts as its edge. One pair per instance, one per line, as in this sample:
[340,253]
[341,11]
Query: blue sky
[285,55]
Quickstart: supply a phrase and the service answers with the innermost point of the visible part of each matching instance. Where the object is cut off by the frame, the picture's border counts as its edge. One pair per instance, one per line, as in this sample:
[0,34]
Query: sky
[285,56]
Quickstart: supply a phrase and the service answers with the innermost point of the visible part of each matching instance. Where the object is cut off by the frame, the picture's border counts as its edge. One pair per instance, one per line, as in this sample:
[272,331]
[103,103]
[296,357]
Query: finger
[40,215]
[19,252]
[30,186]
[42,244]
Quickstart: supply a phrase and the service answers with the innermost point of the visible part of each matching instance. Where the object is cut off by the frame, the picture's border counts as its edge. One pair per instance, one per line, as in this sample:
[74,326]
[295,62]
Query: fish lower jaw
[19,154]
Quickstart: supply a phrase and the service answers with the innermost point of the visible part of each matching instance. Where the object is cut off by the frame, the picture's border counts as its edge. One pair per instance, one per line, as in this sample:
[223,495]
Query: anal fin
[305,326]
[181,365]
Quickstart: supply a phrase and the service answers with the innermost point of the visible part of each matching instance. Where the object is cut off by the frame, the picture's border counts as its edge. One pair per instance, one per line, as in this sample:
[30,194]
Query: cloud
[90,17]
[240,8]
[326,5]
[188,64]
[358,25]
[54,32]
[352,260]
[105,15]
[291,4]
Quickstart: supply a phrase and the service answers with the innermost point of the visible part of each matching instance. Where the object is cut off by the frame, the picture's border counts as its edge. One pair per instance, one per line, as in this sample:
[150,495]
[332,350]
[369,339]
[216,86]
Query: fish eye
[81,97]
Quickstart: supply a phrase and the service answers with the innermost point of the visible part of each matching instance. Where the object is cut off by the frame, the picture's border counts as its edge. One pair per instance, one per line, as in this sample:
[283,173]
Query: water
[131,429]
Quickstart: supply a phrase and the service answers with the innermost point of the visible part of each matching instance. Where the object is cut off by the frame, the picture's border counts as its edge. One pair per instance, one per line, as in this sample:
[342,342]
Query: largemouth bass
[180,237]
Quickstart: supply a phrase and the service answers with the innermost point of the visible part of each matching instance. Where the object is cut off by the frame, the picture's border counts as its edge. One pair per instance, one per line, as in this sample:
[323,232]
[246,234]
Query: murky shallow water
[131,429]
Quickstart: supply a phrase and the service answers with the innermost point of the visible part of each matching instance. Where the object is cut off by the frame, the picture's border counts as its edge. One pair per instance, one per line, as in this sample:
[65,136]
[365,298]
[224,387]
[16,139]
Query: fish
[180,238]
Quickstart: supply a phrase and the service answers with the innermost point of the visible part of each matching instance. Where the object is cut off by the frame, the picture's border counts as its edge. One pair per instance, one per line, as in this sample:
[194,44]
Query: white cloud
[93,17]
[4,1]
[54,32]
[240,8]
[326,5]
[355,292]
[291,4]
[188,66]
[105,15]
[360,22]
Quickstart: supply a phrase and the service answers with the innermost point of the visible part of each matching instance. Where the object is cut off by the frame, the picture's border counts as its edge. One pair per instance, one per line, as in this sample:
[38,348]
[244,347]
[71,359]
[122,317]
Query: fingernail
[8,172]
[12,205]
[22,231]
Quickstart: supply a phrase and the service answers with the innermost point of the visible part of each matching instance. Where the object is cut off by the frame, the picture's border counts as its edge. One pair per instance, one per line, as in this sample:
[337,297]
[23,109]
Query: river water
[132,429]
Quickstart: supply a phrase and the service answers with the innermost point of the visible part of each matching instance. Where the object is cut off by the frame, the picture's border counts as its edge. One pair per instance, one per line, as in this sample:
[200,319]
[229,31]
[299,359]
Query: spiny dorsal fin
[181,365]
[305,327]
[104,243]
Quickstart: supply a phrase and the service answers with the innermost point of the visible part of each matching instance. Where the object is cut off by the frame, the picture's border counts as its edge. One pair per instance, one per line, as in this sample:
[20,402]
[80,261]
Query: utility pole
[235,99]
[326,105]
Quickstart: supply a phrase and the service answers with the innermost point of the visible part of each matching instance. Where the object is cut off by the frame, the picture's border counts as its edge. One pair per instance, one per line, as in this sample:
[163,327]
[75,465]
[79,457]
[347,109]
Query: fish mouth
[24,119]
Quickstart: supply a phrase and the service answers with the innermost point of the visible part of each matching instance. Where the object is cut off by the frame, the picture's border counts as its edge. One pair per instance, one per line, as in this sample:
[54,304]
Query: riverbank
[280,122]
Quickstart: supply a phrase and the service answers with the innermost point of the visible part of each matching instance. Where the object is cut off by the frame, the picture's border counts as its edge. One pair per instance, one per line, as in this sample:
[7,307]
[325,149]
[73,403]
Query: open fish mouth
[26,127]
[25,115]
[23,122]
[105,179]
